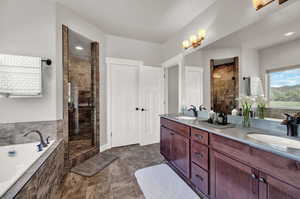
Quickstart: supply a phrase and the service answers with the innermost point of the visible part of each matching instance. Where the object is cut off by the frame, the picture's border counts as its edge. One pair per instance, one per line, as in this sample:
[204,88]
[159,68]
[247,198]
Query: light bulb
[202,34]
[186,44]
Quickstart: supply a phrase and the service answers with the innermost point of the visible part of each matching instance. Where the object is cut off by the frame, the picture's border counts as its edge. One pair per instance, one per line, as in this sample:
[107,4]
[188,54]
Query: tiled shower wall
[13,133]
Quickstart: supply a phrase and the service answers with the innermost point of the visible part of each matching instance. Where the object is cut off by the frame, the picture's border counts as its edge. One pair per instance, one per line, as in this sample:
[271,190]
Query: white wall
[250,66]
[220,19]
[173,89]
[28,28]
[283,55]
[120,47]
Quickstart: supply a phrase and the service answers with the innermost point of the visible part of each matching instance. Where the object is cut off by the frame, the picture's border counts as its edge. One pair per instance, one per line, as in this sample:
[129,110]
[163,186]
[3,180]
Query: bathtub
[12,168]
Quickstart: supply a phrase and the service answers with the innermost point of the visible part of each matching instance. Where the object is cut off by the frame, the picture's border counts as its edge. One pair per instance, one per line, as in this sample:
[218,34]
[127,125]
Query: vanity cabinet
[261,174]
[272,188]
[175,145]
[180,154]
[230,179]
[166,143]
[222,168]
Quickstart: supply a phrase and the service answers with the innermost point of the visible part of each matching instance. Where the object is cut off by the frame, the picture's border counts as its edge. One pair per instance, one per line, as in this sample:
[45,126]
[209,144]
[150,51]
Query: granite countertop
[239,134]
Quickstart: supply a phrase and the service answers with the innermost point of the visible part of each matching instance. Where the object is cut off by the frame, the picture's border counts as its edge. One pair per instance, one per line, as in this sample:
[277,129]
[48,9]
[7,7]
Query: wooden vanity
[221,168]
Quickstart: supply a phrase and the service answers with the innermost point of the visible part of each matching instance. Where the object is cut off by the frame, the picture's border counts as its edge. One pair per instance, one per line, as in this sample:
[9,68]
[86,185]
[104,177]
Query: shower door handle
[69,92]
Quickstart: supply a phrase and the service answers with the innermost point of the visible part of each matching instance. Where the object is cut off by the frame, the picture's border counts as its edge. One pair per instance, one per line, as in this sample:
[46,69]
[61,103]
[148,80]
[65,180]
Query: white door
[151,101]
[124,100]
[193,86]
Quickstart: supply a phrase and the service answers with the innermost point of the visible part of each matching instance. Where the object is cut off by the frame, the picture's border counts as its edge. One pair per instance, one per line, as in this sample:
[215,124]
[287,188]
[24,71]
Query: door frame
[174,61]
[237,69]
[109,61]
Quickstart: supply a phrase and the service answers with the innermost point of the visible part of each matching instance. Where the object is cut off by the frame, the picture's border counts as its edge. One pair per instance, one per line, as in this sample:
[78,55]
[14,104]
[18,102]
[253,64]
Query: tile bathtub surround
[13,133]
[43,178]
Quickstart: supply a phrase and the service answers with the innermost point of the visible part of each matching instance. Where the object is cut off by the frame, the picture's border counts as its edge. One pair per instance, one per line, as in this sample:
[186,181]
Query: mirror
[267,64]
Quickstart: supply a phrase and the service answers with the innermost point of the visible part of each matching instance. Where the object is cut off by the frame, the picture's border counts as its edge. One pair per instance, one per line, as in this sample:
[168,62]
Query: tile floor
[116,181]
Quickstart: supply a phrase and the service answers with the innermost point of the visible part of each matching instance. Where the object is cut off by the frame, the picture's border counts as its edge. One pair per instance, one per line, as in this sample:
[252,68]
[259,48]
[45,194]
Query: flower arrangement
[246,103]
[261,103]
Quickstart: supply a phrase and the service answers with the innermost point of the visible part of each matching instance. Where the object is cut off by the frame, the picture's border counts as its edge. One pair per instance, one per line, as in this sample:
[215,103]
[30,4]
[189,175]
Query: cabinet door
[165,143]
[271,188]
[180,153]
[231,179]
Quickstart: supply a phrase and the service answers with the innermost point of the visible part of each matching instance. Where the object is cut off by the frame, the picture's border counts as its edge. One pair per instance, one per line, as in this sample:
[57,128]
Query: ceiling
[148,20]
[267,32]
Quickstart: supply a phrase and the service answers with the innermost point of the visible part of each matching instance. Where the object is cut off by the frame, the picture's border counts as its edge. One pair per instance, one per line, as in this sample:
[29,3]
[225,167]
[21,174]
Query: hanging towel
[20,75]
[256,87]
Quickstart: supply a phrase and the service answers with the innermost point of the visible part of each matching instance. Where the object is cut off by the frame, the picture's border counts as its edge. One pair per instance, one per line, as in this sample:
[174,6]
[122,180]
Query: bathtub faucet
[43,143]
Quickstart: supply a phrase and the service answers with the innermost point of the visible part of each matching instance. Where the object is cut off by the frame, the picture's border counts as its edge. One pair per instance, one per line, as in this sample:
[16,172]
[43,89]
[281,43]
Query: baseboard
[104,147]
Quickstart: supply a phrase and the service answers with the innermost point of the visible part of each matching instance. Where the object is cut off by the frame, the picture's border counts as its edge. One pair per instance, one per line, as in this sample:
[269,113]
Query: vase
[261,112]
[246,118]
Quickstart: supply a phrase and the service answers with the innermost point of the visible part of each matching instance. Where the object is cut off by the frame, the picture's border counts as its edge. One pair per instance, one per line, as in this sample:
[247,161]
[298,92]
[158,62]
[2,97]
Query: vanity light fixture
[201,34]
[79,48]
[186,44]
[289,34]
[259,4]
[195,40]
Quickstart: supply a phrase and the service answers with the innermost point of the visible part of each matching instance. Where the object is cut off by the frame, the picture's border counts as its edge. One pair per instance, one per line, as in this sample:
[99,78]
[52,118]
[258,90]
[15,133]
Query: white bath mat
[161,182]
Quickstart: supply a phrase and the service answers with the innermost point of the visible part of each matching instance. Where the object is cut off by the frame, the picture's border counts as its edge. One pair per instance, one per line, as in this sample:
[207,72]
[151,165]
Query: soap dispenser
[211,115]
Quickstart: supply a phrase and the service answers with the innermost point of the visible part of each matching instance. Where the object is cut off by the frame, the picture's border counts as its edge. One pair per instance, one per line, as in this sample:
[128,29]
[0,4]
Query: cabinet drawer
[199,178]
[176,127]
[230,147]
[199,154]
[200,136]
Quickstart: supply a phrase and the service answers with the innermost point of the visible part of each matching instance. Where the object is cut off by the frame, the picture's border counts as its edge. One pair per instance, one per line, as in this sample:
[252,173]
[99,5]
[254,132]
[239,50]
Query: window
[20,75]
[284,88]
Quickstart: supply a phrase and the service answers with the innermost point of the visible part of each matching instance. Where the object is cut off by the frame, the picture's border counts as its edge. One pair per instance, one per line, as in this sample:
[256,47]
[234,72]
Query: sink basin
[276,140]
[185,118]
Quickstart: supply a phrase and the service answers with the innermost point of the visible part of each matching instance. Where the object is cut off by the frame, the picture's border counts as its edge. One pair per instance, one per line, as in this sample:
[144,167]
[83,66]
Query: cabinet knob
[198,176]
[198,154]
[199,136]
[253,176]
[262,180]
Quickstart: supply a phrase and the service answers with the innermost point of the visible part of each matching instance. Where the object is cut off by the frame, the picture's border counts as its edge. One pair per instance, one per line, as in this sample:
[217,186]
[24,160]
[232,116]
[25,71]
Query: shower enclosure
[81,96]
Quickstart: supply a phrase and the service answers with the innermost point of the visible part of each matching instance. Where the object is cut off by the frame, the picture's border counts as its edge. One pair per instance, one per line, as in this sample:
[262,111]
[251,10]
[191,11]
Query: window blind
[20,75]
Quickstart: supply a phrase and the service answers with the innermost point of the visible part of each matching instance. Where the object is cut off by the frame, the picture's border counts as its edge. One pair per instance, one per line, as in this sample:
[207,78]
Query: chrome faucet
[194,109]
[202,108]
[43,143]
